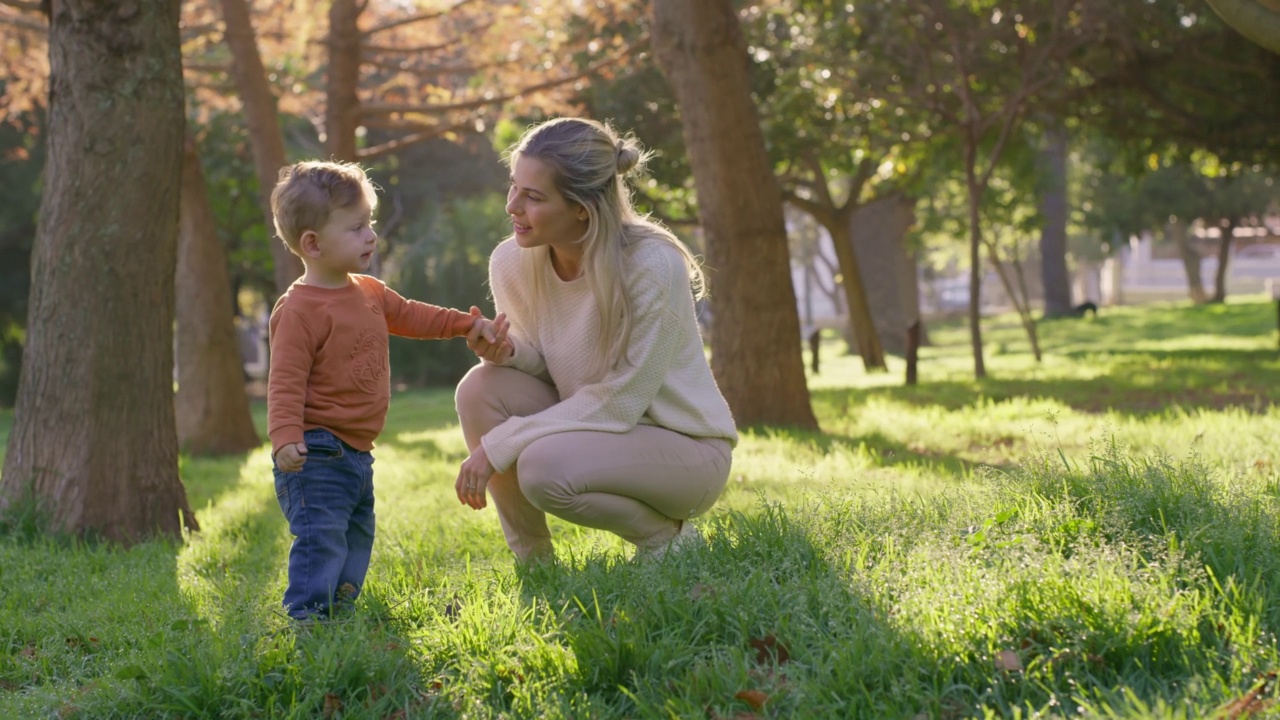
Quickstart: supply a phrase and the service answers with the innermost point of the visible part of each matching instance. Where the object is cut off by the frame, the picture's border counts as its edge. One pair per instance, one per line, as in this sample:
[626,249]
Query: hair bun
[628,155]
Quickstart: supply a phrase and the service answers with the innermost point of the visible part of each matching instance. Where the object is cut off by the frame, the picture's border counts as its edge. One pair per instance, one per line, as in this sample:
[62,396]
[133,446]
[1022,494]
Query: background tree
[977,67]
[93,439]
[211,408]
[755,352]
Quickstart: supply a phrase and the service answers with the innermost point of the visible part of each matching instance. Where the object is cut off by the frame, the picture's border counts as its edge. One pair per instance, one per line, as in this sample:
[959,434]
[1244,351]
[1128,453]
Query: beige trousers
[636,484]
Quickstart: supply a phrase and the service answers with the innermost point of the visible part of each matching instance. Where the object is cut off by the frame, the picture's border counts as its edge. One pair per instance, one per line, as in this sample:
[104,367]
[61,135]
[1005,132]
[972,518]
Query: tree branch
[415,18]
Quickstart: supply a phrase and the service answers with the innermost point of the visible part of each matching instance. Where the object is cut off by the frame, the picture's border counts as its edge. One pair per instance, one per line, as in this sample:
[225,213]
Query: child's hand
[488,338]
[291,456]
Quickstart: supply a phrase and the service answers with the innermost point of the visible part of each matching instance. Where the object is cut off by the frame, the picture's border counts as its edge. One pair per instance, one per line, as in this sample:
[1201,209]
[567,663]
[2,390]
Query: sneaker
[687,537]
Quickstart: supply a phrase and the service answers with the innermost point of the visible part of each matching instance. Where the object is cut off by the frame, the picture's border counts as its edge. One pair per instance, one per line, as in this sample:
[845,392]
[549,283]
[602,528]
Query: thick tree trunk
[1224,259]
[755,355]
[212,407]
[263,119]
[1053,236]
[878,229]
[342,103]
[1190,256]
[93,439]
[865,337]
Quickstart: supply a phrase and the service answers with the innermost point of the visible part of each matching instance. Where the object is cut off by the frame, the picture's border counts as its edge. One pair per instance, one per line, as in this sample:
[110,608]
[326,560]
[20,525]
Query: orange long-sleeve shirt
[330,366]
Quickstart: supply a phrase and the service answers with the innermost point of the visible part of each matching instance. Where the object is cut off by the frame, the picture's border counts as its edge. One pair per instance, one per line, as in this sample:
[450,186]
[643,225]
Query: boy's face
[344,245]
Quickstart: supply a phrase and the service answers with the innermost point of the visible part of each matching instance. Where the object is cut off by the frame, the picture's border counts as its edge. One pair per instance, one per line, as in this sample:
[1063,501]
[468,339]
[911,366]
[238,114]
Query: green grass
[1092,536]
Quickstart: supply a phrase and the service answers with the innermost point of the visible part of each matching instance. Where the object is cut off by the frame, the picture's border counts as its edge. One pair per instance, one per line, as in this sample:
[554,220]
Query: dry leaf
[332,705]
[755,698]
[767,647]
[1008,661]
[1252,703]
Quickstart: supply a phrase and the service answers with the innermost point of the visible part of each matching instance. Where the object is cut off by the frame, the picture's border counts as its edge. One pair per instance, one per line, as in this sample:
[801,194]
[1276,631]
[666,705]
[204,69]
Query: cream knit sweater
[666,383]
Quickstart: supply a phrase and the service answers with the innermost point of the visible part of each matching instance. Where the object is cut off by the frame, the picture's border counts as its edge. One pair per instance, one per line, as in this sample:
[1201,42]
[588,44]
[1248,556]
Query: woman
[595,402]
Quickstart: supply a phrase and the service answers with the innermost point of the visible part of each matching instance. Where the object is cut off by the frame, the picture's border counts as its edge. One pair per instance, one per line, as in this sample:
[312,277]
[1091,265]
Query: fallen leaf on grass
[29,651]
[1008,661]
[1251,703]
[768,647]
[332,705]
[755,698]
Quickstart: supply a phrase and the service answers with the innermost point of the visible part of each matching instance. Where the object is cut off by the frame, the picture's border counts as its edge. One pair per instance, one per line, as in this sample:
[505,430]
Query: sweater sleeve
[292,354]
[617,401]
[505,281]
[410,318]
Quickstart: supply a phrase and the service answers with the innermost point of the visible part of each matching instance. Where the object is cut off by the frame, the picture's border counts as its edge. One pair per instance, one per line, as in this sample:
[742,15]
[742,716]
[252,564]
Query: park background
[977,504]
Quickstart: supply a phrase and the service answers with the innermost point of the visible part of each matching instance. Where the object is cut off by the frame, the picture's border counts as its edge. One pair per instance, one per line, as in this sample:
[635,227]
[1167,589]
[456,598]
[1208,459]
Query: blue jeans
[329,506]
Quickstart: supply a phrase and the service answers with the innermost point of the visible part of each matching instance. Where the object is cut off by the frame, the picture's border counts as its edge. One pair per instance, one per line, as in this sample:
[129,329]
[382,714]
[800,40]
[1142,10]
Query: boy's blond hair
[308,191]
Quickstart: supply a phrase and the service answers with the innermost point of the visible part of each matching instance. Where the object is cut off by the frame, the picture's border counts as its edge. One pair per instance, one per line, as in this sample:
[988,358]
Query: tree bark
[212,407]
[865,336]
[1228,227]
[1053,236]
[975,258]
[263,120]
[1190,256]
[93,440]
[755,350]
[342,103]
[878,231]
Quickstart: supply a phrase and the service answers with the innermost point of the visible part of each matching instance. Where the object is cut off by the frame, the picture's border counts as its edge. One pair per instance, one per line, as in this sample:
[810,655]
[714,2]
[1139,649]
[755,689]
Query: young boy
[328,389]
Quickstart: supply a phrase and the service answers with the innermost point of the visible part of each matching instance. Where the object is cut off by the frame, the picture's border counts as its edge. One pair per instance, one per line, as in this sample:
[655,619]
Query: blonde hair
[306,192]
[590,161]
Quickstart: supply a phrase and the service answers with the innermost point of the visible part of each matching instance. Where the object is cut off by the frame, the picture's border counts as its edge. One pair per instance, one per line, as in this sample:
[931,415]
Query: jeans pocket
[283,496]
[323,447]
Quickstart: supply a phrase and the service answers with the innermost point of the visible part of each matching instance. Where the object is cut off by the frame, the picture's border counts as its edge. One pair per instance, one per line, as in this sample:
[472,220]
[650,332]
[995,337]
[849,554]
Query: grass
[1092,536]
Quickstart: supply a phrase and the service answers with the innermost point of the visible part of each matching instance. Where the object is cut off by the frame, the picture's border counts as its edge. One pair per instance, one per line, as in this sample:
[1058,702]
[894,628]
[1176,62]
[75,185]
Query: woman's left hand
[473,478]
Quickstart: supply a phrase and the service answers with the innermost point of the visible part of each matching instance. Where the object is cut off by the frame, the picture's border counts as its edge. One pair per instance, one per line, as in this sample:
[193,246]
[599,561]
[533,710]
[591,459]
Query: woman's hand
[473,478]
[488,338]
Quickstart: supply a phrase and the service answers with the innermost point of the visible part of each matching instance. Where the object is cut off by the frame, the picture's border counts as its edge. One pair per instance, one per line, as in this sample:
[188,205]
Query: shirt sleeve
[504,280]
[414,319]
[618,401]
[292,354]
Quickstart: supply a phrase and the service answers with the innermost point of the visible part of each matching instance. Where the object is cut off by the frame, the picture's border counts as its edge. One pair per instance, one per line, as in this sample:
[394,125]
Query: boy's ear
[309,243]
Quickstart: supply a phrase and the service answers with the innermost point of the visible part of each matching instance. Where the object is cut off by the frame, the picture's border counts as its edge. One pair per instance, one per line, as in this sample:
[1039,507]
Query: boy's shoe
[687,537]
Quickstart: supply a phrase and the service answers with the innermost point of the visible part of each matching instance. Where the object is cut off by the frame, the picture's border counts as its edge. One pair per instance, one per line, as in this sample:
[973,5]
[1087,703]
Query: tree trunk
[1018,295]
[975,260]
[755,355]
[1190,256]
[865,337]
[263,120]
[1258,20]
[212,407]
[1228,226]
[342,103]
[1053,237]
[93,439]
[878,229]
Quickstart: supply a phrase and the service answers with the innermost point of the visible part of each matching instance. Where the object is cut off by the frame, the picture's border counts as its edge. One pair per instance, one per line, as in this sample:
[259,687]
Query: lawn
[1094,535]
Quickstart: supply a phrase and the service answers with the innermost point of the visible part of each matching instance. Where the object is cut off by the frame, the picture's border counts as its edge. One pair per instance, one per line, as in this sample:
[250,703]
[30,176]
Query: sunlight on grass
[1091,535]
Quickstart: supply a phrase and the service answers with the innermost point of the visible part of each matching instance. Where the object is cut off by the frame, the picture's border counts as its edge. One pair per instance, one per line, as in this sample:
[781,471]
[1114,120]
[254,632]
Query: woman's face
[540,215]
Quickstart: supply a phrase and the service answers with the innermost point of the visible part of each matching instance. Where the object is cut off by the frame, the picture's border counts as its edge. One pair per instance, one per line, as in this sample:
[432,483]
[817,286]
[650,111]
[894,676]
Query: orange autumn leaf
[755,698]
